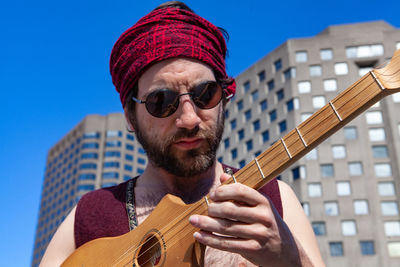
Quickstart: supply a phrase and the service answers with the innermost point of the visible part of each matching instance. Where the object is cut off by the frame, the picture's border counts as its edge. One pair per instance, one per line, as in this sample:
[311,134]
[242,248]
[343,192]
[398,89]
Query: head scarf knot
[162,34]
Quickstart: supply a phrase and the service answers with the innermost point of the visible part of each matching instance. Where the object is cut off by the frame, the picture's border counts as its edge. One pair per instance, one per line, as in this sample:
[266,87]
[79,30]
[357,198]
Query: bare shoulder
[298,223]
[62,244]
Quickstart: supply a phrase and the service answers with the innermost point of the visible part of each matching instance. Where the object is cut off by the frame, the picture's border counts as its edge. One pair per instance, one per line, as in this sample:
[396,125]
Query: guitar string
[191,209]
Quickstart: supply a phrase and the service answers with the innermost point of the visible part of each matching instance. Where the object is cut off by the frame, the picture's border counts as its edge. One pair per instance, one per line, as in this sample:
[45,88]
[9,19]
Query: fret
[259,168]
[206,199]
[377,80]
[334,109]
[234,178]
[284,145]
[301,137]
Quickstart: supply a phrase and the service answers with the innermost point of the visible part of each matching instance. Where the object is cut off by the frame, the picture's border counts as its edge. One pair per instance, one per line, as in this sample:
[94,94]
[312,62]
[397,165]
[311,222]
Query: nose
[187,113]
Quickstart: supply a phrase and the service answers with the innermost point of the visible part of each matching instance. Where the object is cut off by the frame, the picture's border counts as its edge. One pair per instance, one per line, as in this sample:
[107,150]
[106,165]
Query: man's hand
[241,220]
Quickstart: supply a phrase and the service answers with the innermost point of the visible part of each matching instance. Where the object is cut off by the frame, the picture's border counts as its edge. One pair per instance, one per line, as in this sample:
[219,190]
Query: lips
[189,143]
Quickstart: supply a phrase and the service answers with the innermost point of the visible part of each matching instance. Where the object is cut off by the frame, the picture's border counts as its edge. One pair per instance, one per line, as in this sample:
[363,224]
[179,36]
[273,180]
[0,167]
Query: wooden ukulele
[165,238]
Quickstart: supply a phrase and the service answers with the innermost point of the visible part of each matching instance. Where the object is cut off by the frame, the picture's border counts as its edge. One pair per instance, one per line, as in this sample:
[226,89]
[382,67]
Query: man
[169,69]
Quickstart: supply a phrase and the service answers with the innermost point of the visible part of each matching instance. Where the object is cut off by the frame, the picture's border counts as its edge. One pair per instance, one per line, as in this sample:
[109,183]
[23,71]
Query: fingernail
[197,235]
[193,219]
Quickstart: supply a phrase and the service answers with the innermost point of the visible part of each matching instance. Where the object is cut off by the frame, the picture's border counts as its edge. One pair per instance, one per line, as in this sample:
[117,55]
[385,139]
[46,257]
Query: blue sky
[54,71]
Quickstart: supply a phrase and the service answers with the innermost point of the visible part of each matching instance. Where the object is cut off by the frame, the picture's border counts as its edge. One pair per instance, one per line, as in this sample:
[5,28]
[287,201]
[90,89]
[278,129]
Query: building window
[394,249]
[290,105]
[314,190]
[112,154]
[364,70]
[272,115]
[312,155]
[265,136]
[383,169]
[240,134]
[271,85]
[319,228]
[376,134]
[392,228]
[306,208]
[397,45]
[247,115]
[226,114]
[139,170]
[254,95]
[128,157]
[341,68]
[389,208]
[234,153]
[113,143]
[85,187]
[88,166]
[331,208]
[355,168]
[343,188]
[396,98]
[280,95]
[256,125]
[338,151]
[367,247]
[239,105]
[360,207]
[386,189]
[364,51]
[301,56]
[242,163]
[130,137]
[111,164]
[90,145]
[249,145]
[141,161]
[261,76]
[263,105]
[226,143]
[374,117]
[129,147]
[350,133]
[89,156]
[318,101]
[330,85]
[336,249]
[91,135]
[246,86]
[233,124]
[326,54]
[380,152]
[349,228]
[278,65]
[87,176]
[327,170]
[128,168]
[289,74]
[315,70]
[109,175]
[304,87]
[282,126]
[113,134]
[299,172]
[305,115]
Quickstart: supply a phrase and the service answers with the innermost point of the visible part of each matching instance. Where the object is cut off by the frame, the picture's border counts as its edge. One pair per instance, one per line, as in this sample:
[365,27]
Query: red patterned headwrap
[162,34]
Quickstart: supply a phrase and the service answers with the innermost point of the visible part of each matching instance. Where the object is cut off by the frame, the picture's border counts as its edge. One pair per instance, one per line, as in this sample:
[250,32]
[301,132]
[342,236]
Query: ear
[128,122]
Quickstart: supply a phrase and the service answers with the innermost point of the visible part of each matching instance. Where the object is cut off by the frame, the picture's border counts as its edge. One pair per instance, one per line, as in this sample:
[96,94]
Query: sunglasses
[164,102]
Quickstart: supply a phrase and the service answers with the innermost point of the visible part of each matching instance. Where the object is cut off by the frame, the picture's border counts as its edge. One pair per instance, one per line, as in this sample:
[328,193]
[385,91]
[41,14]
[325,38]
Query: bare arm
[299,225]
[62,244]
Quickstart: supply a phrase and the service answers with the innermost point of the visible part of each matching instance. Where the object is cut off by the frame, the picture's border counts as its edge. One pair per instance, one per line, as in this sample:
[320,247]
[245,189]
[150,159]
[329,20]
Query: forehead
[174,73]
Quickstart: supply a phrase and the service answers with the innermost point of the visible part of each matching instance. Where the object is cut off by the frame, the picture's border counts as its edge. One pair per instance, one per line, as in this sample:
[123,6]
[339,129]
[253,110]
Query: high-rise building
[349,185]
[98,152]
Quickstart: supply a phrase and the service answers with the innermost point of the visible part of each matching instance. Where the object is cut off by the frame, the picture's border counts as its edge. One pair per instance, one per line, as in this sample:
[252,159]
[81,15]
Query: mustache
[185,133]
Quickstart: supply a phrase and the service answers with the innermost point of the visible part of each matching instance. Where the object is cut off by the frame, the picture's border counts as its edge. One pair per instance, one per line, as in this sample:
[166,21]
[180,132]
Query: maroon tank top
[104,212]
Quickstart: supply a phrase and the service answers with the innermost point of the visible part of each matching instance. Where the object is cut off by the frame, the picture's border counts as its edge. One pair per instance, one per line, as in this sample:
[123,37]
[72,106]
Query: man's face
[185,143]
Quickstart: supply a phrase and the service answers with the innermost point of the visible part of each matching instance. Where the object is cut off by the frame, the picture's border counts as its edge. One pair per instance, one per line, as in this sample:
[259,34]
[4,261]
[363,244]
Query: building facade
[98,152]
[349,185]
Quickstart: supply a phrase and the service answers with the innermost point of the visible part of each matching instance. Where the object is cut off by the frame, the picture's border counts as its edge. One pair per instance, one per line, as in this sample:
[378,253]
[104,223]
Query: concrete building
[349,185]
[98,152]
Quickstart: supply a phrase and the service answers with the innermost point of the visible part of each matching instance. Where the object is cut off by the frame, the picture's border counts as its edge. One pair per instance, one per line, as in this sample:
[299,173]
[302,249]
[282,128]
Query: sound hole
[150,253]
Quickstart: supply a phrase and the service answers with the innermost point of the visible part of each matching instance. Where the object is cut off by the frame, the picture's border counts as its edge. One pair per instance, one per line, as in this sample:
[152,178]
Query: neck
[189,189]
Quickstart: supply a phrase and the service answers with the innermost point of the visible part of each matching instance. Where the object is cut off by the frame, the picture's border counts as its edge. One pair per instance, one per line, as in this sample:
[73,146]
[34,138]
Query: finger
[238,212]
[238,192]
[224,177]
[226,243]
[231,228]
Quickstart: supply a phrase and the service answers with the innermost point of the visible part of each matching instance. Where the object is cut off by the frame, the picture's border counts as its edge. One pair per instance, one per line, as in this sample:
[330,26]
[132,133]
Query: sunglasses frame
[139,101]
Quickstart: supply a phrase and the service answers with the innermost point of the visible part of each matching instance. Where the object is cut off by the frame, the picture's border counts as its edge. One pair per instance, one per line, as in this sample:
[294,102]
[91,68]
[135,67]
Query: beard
[190,163]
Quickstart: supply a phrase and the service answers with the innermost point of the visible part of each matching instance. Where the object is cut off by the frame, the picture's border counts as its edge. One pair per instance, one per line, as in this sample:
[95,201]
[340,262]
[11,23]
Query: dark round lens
[207,95]
[162,103]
